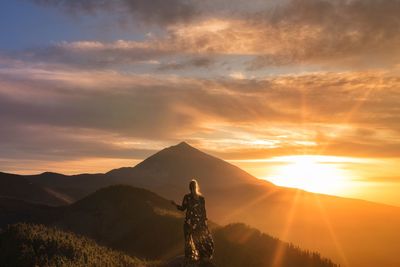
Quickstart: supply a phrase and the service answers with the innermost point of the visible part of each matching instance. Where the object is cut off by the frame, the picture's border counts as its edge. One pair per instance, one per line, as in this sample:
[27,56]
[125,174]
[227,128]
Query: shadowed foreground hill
[145,225]
[134,220]
[37,245]
[15,210]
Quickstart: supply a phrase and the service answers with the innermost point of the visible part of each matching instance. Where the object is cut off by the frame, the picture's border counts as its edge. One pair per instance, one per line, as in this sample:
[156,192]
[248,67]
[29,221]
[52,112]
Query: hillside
[15,210]
[71,187]
[36,245]
[19,187]
[145,225]
[352,232]
[238,245]
[134,220]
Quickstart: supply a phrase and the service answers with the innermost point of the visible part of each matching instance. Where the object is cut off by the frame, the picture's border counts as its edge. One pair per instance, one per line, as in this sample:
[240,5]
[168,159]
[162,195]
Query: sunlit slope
[353,232]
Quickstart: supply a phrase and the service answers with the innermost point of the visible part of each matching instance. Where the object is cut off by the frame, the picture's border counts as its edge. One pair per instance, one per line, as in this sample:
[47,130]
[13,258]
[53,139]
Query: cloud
[142,112]
[160,12]
[318,31]
[38,141]
[355,34]
[195,62]
[352,34]
[352,113]
[156,11]
[220,74]
[97,55]
[342,33]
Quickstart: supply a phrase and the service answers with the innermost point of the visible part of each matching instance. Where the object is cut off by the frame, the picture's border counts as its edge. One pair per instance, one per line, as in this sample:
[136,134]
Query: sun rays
[316,174]
[280,250]
[328,224]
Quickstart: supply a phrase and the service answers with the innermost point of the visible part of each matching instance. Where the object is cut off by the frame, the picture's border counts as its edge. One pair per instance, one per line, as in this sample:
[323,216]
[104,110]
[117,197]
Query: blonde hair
[195,184]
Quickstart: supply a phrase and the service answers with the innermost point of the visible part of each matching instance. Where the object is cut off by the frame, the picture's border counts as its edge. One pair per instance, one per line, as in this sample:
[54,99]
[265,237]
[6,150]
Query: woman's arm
[183,206]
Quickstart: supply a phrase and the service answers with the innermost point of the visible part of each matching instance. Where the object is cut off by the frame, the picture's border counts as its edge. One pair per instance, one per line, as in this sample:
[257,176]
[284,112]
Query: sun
[318,174]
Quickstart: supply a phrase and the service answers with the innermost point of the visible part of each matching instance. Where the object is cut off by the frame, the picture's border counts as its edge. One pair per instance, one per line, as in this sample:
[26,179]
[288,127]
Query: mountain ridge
[18,186]
[185,151]
[234,195]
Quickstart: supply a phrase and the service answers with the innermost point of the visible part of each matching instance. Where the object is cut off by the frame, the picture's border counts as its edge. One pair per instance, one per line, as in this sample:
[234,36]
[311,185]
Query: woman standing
[199,245]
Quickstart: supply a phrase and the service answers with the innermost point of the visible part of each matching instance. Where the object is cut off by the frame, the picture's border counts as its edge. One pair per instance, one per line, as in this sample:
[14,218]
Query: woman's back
[199,245]
[195,210]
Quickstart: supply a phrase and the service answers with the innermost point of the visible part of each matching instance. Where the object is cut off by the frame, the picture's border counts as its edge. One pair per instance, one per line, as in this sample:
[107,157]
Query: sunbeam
[326,220]
[280,250]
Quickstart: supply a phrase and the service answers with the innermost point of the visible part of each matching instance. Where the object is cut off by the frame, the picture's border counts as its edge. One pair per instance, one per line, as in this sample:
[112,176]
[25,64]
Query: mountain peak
[182,148]
[171,168]
[183,145]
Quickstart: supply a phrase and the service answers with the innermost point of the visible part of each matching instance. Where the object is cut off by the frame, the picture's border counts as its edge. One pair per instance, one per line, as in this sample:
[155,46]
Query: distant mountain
[178,164]
[145,225]
[71,187]
[167,172]
[19,187]
[37,245]
[354,233]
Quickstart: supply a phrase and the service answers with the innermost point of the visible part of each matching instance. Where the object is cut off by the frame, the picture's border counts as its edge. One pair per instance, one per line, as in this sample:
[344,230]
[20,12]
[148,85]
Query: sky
[303,93]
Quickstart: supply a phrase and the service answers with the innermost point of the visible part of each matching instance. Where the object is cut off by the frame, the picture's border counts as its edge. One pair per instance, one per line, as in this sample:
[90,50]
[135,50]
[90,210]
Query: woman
[199,245]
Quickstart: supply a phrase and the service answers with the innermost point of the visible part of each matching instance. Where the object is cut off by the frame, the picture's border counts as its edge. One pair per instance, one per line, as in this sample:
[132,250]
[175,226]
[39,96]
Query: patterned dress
[199,245]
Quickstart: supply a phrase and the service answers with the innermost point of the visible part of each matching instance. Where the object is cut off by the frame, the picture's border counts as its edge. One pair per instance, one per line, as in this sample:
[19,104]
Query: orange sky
[252,84]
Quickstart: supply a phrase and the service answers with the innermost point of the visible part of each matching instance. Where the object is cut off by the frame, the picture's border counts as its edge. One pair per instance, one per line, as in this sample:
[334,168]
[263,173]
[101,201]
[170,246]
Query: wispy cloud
[298,107]
[353,34]
[156,11]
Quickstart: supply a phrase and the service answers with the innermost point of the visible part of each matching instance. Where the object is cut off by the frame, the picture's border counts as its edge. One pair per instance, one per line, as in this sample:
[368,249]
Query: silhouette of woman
[199,245]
